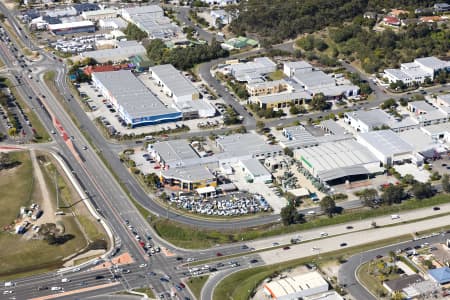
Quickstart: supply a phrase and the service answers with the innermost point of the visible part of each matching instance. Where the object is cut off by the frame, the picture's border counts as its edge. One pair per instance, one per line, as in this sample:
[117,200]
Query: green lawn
[18,254]
[196,284]
[371,282]
[41,133]
[277,75]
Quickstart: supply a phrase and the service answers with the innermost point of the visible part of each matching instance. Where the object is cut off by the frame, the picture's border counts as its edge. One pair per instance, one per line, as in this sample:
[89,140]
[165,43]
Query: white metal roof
[178,84]
[291,285]
[386,142]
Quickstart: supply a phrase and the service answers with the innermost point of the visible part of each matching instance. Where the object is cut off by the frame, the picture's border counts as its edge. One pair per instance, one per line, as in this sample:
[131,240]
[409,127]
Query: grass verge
[196,284]
[190,237]
[369,282]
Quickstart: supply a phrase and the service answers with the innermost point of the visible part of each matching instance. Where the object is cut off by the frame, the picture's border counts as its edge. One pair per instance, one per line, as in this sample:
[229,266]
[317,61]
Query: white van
[323,234]
[311,213]
[393,217]
[9,284]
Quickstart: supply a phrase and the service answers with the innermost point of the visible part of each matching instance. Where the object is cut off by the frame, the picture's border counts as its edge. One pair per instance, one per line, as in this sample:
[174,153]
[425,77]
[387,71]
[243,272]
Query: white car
[55,288]
[142,265]
[7,292]
[65,280]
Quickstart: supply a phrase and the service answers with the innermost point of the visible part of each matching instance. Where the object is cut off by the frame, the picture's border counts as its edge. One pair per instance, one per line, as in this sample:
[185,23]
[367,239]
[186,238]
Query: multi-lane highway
[110,200]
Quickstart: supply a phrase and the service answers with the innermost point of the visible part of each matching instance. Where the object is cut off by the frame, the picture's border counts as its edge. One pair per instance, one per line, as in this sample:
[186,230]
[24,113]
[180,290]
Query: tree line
[184,58]
[277,20]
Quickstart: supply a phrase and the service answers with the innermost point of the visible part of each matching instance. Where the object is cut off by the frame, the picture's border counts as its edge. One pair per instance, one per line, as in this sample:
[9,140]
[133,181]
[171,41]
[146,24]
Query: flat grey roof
[193,173]
[285,96]
[136,100]
[386,142]
[301,64]
[437,128]
[245,144]
[422,105]
[175,152]
[174,80]
[418,139]
[403,282]
[314,79]
[433,62]
[144,9]
[333,127]
[124,51]
[336,158]
[255,167]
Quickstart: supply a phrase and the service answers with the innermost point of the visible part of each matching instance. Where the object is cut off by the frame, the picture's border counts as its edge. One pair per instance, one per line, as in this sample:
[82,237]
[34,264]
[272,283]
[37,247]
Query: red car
[286,248]
[219,254]
[182,285]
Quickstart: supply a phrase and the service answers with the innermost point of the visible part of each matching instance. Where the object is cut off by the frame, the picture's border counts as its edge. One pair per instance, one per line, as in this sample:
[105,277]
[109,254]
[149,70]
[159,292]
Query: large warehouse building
[296,287]
[388,147]
[135,103]
[174,84]
[338,161]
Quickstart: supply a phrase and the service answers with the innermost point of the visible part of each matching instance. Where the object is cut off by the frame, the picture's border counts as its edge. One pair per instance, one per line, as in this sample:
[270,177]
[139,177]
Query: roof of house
[403,282]
[130,93]
[178,84]
[391,20]
[441,275]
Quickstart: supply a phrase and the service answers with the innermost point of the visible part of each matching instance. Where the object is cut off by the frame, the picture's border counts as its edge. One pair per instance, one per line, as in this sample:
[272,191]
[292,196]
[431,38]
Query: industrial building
[416,72]
[316,82]
[388,147]
[184,93]
[246,146]
[374,119]
[268,87]
[292,67]
[296,287]
[102,14]
[426,114]
[133,101]
[173,83]
[112,24]
[71,27]
[281,100]
[123,51]
[151,19]
[299,137]
[422,143]
[338,161]
[254,171]
[174,153]
[245,71]
[188,179]
[438,132]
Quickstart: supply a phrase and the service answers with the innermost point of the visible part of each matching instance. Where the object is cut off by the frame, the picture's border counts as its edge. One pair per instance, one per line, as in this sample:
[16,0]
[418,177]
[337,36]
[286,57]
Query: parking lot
[230,204]
[100,108]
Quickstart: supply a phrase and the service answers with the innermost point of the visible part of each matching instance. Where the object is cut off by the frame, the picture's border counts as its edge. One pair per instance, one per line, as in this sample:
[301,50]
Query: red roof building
[391,21]
[105,68]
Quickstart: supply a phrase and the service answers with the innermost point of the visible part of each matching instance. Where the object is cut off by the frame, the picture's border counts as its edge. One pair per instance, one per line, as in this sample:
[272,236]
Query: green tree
[289,215]
[393,194]
[319,102]
[367,196]
[422,190]
[445,183]
[408,179]
[328,205]
[288,151]
[293,109]
[389,103]
[260,124]
[135,33]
